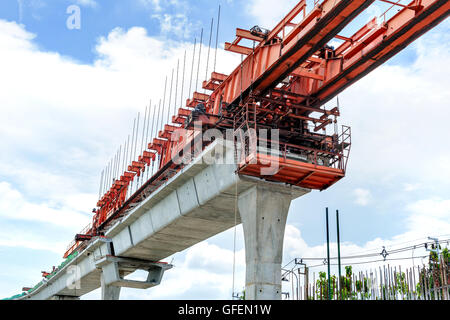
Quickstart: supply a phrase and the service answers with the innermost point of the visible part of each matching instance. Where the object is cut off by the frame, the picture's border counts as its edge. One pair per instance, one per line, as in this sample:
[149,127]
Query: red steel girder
[376,46]
[269,64]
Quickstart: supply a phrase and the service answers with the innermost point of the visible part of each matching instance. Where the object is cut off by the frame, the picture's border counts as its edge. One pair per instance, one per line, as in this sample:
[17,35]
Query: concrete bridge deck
[196,204]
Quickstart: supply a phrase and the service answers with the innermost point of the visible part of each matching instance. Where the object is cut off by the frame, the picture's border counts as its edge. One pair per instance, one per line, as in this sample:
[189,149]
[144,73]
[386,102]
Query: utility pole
[328,258]
[339,252]
[306,282]
[305,274]
[435,265]
[437,251]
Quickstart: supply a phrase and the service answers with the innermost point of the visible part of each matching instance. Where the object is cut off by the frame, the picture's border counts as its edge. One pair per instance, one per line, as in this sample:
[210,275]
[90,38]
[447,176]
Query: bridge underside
[199,202]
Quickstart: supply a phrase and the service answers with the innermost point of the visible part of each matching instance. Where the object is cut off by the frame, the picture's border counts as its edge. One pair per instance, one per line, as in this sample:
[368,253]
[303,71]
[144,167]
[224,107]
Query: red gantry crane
[283,83]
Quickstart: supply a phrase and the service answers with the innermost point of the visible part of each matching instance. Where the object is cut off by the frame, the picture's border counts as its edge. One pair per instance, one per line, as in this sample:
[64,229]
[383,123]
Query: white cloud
[408,187]
[87,3]
[430,216]
[73,117]
[20,238]
[266,14]
[362,196]
[20,5]
[206,267]
[175,24]
[211,257]
[14,206]
[58,136]
[155,4]
[32,7]
[159,5]
[172,17]
[398,114]
[205,271]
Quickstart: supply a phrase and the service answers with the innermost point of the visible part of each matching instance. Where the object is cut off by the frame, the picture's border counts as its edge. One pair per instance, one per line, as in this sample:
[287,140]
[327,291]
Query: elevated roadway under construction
[196,204]
[282,85]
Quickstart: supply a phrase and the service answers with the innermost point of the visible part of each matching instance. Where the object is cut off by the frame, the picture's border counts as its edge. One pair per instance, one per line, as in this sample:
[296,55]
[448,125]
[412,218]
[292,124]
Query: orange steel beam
[301,72]
[237,48]
[270,63]
[301,6]
[373,46]
[245,34]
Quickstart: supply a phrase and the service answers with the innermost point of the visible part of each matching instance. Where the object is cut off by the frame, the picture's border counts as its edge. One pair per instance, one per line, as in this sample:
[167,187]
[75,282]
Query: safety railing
[393,4]
[335,156]
[75,244]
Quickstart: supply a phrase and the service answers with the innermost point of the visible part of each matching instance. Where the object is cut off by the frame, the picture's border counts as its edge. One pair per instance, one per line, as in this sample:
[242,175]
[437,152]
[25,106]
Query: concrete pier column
[109,292]
[264,209]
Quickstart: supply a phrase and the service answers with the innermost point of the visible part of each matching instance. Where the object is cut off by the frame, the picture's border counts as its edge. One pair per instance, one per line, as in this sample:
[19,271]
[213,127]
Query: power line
[374,261]
[360,256]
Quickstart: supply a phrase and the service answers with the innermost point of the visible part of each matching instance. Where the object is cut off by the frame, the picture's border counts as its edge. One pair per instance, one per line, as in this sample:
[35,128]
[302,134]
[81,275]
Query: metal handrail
[390,8]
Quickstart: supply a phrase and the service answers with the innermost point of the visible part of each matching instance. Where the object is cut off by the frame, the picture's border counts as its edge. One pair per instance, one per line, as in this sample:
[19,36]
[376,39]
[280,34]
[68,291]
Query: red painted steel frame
[293,50]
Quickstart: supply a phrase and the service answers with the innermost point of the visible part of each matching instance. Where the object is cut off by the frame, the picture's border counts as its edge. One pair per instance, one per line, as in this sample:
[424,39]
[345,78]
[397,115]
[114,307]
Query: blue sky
[69,97]
[47,21]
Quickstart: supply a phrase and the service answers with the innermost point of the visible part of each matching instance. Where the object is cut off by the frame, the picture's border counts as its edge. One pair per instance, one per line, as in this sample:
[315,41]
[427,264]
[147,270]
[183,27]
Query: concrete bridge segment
[196,204]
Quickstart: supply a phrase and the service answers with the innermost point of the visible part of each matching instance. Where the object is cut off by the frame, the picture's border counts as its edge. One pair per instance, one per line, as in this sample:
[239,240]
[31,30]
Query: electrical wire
[368,262]
[360,256]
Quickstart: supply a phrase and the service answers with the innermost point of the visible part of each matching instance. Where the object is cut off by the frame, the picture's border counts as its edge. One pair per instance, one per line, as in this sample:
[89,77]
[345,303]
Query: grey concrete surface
[264,209]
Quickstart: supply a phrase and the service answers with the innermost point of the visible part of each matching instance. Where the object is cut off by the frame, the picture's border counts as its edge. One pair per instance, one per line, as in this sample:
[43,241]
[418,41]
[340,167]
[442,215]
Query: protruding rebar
[209,50]
[192,69]
[105,180]
[148,127]
[118,163]
[148,124]
[199,58]
[143,130]
[157,133]
[170,97]
[132,142]
[158,119]
[108,185]
[217,38]
[101,182]
[114,169]
[182,81]
[111,181]
[176,90]
[164,98]
[137,130]
[126,155]
[113,175]
[131,153]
